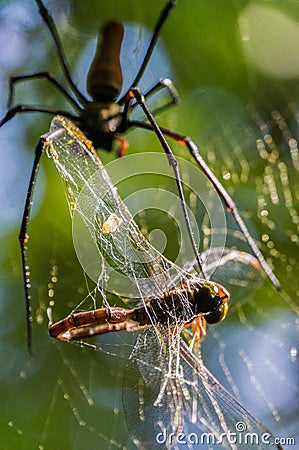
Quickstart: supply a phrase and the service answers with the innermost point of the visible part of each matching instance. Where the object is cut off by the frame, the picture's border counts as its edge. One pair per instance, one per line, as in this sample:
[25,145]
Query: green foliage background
[67,396]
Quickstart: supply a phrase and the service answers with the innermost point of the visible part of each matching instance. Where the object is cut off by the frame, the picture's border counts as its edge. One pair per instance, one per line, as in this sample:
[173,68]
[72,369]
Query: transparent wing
[170,398]
[235,266]
[239,271]
[122,253]
[232,267]
[91,194]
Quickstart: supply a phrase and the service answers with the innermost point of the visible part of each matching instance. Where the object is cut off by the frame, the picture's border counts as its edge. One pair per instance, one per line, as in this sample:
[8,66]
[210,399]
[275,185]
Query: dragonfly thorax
[183,304]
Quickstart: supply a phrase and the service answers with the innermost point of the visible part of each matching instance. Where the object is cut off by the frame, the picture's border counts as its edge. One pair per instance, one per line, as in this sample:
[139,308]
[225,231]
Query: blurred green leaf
[244,120]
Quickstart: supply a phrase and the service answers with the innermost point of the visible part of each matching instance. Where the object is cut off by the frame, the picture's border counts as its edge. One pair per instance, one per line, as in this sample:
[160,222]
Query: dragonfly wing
[210,408]
[92,195]
[231,266]
[170,398]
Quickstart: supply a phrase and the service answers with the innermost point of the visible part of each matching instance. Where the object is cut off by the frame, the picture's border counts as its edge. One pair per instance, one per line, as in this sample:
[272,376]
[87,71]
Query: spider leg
[32,76]
[163,83]
[24,238]
[161,20]
[59,50]
[31,108]
[136,93]
[226,198]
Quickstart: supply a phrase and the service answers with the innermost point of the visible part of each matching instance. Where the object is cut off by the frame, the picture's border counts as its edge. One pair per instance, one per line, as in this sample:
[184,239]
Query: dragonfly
[105,116]
[168,392]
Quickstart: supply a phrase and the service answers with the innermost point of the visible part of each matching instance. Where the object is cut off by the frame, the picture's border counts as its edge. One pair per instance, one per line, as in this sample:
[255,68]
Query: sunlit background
[236,66]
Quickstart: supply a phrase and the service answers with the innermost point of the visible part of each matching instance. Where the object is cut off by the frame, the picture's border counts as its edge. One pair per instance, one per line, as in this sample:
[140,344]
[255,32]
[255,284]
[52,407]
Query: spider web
[71,396]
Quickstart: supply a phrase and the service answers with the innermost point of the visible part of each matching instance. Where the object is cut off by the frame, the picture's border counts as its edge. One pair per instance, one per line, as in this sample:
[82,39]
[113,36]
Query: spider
[105,117]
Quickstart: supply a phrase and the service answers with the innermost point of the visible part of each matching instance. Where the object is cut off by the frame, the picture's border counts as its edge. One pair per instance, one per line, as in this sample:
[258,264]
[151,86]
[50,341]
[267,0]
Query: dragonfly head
[211,300]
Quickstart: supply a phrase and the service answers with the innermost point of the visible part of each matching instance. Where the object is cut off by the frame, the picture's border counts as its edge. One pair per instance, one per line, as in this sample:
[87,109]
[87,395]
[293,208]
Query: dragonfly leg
[197,332]
[199,326]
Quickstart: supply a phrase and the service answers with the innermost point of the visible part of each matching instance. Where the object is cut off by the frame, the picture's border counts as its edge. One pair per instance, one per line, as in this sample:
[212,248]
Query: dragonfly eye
[211,299]
[220,301]
[217,315]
